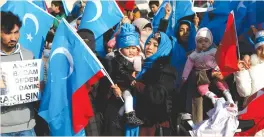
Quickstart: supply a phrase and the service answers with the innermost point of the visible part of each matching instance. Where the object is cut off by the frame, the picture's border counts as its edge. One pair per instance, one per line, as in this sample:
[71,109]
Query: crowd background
[154,75]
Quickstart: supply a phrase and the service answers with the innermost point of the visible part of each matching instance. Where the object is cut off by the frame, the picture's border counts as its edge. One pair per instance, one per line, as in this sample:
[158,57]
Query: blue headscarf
[164,49]
[127,36]
[178,53]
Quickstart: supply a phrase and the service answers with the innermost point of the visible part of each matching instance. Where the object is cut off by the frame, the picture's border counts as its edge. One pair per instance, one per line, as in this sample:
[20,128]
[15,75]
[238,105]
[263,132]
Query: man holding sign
[19,80]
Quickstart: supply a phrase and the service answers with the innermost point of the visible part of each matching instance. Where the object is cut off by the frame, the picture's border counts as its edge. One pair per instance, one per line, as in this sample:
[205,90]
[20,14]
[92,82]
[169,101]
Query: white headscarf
[204,33]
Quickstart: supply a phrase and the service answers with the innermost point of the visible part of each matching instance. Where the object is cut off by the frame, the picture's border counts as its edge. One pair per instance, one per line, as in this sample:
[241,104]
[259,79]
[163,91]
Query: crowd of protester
[157,92]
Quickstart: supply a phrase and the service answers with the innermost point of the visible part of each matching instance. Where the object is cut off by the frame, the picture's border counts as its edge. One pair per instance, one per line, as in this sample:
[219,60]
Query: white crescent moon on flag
[34,19]
[65,52]
[98,6]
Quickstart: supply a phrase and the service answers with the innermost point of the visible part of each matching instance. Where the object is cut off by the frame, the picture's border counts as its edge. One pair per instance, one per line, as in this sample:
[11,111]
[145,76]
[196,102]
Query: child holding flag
[126,64]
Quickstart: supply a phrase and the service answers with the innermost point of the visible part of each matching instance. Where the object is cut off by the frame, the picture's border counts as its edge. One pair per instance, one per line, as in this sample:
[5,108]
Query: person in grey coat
[16,120]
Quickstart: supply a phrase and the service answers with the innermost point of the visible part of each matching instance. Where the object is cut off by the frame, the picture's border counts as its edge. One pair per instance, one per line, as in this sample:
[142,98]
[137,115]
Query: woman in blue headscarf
[183,44]
[154,86]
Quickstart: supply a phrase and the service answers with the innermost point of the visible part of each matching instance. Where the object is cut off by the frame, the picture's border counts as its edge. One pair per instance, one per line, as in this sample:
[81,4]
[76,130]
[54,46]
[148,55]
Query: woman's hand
[242,65]
[133,83]
[247,60]
[196,20]
[211,2]
[117,91]
[168,10]
[82,6]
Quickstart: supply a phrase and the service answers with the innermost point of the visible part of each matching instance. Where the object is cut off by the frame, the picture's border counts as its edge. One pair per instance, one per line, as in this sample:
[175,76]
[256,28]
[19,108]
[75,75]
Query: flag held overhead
[100,15]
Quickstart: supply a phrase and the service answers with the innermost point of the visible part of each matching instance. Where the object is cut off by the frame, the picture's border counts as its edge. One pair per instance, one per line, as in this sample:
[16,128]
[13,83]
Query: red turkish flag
[253,112]
[82,109]
[226,55]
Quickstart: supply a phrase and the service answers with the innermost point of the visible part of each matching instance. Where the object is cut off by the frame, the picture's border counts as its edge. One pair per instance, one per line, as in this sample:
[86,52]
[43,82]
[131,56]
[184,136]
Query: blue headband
[260,39]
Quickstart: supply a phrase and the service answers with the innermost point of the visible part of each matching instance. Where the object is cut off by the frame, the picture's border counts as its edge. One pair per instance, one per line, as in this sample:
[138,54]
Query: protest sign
[19,82]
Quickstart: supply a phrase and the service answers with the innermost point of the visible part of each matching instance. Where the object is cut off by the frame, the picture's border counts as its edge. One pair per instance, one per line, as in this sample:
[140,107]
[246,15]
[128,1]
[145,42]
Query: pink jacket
[200,61]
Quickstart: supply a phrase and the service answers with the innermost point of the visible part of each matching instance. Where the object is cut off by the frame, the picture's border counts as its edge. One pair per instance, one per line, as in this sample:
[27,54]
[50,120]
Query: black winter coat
[122,71]
[153,104]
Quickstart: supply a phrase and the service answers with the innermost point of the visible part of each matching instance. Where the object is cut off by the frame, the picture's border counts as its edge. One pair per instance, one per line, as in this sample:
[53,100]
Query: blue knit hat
[259,39]
[127,36]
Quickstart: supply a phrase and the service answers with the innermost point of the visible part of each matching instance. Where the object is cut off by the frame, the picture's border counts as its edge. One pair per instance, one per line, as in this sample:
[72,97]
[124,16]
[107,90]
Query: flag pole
[111,81]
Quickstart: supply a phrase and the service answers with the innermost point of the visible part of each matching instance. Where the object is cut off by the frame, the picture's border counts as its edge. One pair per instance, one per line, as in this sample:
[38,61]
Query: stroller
[251,118]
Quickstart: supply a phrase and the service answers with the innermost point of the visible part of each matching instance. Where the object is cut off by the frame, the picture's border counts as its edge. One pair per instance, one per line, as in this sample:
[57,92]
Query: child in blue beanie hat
[126,64]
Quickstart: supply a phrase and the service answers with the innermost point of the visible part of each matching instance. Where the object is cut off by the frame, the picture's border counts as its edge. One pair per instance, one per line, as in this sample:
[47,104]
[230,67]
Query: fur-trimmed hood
[254,60]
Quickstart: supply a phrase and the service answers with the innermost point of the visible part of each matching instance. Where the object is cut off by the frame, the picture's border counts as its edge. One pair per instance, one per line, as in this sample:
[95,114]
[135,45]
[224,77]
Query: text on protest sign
[19,82]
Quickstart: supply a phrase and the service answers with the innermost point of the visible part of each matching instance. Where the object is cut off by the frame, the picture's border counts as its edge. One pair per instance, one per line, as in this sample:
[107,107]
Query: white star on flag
[29,37]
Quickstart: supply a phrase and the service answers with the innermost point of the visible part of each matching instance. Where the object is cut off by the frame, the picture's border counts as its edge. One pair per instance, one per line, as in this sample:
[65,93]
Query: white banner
[19,82]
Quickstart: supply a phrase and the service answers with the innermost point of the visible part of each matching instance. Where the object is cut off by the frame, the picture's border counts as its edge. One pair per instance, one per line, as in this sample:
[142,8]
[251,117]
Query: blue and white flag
[35,24]
[65,104]
[41,4]
[248,13]
[179,9]
[100,15]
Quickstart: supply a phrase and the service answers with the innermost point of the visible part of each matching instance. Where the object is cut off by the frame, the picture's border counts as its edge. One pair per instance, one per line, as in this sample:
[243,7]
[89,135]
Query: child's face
[154,8]
[203,44]
[109,49]
[260,52]
[130,51]
[144,34]
[55,8]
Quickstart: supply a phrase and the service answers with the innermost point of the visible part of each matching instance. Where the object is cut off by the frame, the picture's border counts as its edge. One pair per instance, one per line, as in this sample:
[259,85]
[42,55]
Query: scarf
[164,49]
